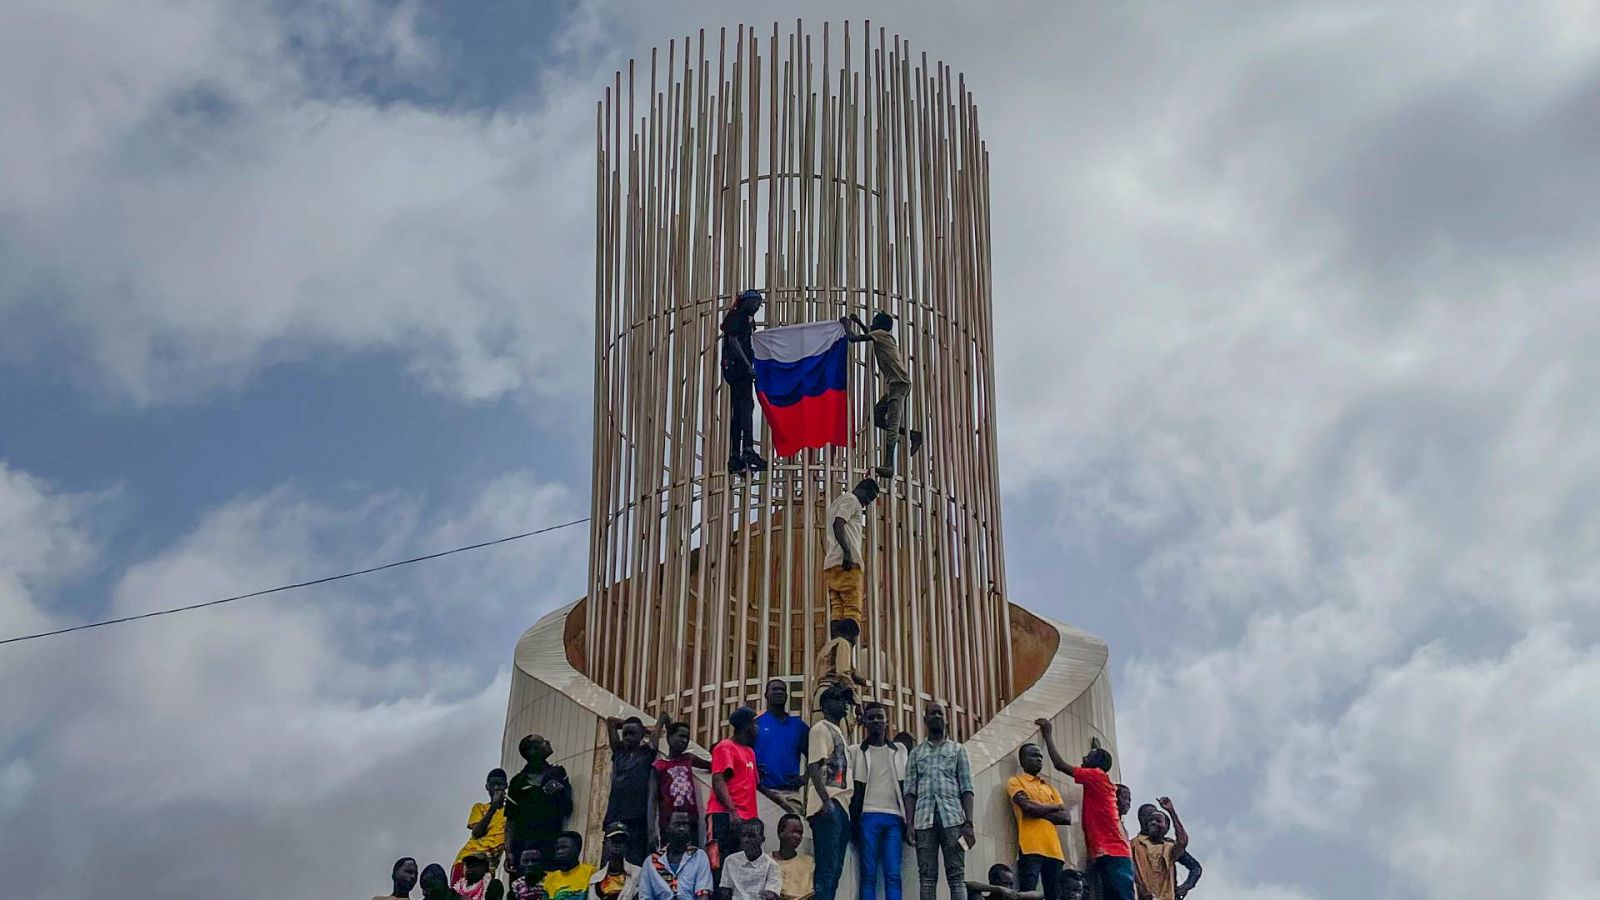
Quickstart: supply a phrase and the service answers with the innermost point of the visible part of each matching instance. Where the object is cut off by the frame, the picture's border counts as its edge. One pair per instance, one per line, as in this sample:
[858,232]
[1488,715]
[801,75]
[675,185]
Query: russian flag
[800,378]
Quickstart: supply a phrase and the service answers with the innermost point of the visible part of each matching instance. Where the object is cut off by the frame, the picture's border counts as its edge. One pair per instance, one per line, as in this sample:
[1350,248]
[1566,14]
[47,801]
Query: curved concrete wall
[549,696]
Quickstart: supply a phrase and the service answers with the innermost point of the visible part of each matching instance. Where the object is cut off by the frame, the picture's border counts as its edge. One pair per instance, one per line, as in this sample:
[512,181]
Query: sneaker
[883,471]
[916,442]
[754,462]
[736,465]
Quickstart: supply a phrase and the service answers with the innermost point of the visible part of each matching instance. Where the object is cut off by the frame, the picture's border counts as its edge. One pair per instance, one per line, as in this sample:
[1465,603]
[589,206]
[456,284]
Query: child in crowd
[675,787]
[487,824]
[796,871]
[475,882]
[751,874]
[567,878]
[617,878]
[435,884]
[1071,885]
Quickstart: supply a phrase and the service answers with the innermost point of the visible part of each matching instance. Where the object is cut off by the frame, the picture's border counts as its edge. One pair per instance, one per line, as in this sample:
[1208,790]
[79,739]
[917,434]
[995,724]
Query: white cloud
[299,722]
[199,199]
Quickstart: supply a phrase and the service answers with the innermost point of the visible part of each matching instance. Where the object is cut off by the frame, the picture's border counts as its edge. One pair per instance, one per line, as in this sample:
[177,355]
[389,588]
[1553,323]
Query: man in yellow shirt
[487,823]
[568,879]
[1038,808]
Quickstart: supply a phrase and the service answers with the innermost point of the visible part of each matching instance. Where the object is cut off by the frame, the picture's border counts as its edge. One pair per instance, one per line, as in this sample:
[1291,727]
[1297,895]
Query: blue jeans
[830,835]
[1116,877]
[881,836]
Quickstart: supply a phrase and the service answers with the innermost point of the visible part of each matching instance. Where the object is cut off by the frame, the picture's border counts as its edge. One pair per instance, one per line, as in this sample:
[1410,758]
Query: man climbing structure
[888,413]
[843,581]
[739,373]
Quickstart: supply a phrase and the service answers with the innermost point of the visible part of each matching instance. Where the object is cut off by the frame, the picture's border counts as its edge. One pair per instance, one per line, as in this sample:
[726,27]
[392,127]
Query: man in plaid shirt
[939,794]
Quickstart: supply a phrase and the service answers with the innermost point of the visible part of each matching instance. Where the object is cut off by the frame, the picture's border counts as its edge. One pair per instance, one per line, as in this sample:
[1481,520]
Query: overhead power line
[289,587]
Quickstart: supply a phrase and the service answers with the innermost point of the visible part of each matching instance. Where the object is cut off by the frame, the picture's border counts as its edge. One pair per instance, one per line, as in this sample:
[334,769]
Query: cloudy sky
[1299,362]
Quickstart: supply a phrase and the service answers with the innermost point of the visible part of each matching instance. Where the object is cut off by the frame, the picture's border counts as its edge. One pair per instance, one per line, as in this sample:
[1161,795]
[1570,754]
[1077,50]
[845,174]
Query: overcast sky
[1299,358]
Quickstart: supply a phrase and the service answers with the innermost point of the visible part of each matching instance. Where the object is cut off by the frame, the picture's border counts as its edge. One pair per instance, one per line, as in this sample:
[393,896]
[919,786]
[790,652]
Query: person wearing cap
[733,784]
[832,787]
[843,581]
[739,373]
[617,878]
[889,412]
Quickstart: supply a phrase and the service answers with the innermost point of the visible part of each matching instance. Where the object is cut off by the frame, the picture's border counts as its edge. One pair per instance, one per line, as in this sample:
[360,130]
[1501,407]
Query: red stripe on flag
[813,422]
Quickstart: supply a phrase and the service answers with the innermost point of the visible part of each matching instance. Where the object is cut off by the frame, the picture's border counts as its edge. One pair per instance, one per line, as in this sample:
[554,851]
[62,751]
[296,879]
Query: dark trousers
[1032,867]
[638,840]
[830,835]
[1115,874]
[724,843]
[930,843]
[742,400]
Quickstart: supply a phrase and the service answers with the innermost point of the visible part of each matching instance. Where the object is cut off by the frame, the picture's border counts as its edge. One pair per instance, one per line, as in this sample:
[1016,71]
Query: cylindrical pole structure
[838,173]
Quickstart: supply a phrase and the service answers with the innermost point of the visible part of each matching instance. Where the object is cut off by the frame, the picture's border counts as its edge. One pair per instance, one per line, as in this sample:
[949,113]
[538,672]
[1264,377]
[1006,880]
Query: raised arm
[1180,836]
[614,732]
[1047,731]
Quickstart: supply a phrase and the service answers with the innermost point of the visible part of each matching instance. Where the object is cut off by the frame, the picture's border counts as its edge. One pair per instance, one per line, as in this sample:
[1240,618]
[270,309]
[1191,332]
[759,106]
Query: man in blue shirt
[677,871]
[780,748]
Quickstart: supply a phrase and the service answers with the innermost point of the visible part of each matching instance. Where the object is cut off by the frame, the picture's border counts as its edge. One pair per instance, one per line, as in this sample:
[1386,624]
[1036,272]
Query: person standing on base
[632,762]
[1038,808]
[844,583]
[675,787]
[1102,829]
[888,413]
[828,804]
[781,749]
[939,799]
[733,785]
[538,800]
[1155,859]
[739,373]
[879,765]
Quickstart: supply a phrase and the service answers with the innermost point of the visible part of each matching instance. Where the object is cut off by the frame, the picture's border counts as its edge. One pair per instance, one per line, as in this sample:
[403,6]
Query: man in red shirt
[1109,855]
[733,785]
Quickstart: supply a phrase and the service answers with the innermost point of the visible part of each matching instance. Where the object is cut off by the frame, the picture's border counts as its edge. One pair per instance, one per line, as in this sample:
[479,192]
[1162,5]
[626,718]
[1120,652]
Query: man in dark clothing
[739,371]
[632,760]
[538,800]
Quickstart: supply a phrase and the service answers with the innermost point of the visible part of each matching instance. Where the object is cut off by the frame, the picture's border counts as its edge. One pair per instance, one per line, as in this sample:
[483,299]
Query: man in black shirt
[632,760]
[538,801]
[739,371]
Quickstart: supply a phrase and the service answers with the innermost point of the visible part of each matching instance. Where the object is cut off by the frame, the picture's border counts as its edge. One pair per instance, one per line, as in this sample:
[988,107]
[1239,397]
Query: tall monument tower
[839,172]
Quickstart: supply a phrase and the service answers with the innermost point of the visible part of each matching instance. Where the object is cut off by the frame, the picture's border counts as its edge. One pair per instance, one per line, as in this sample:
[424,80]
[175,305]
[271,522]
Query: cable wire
[289,587]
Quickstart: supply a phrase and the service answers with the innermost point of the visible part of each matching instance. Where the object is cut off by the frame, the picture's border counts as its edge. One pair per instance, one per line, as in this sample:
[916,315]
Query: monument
[839,172]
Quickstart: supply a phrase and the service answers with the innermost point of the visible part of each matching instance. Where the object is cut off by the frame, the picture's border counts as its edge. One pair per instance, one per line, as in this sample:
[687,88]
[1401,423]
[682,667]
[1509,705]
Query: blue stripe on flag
[785,383]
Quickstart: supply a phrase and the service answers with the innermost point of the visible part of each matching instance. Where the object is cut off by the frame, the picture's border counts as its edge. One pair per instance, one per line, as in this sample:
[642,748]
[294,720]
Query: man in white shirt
[751,874]
[879,765]
[843,581]
[832,787]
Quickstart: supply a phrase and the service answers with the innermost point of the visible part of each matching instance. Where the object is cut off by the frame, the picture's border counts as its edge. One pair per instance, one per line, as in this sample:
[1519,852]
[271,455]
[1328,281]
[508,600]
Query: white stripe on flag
[791,343]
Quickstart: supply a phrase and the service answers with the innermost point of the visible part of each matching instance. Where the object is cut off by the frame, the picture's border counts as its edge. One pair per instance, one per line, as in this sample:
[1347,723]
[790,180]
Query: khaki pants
[845,589]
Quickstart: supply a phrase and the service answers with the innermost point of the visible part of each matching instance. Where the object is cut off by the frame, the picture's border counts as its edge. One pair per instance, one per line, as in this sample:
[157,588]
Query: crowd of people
[871,799]
[876,797]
